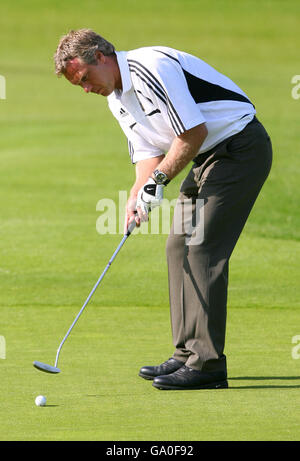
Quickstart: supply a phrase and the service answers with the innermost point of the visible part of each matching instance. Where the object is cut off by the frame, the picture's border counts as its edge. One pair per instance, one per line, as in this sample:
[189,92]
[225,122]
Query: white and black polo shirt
[166,92]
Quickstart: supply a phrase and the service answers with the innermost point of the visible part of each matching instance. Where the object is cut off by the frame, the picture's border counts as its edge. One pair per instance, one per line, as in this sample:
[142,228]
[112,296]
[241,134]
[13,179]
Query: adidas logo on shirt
[123,112]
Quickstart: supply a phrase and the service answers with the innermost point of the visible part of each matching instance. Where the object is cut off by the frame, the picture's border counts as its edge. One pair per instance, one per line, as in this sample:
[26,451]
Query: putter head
[46,368]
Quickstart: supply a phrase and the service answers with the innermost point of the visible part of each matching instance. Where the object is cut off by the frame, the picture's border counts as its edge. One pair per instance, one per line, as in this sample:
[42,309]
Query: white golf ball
[40,401]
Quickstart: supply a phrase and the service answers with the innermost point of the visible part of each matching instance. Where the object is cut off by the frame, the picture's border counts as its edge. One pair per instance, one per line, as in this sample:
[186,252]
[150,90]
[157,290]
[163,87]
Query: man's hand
[149,197]
[131,214]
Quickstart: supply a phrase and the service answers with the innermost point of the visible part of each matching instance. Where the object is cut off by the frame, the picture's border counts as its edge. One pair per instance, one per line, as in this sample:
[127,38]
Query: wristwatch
[160,178]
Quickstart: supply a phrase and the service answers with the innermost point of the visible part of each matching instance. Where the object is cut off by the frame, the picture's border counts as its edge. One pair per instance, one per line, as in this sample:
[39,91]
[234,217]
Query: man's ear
[101,58]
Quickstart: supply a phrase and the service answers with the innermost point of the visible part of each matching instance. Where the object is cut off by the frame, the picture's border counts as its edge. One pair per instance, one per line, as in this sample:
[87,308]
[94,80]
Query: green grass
[60,153]
[99,396]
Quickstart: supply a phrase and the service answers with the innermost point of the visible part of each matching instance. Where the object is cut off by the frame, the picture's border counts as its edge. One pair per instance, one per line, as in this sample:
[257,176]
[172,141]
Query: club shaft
[92,292]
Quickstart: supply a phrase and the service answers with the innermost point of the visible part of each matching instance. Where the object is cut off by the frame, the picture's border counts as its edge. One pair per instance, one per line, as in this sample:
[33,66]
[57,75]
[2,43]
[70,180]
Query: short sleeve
[165,79]
[140,149]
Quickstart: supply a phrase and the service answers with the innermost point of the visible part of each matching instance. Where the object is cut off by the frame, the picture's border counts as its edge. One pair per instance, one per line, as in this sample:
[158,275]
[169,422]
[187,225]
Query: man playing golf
[175,109]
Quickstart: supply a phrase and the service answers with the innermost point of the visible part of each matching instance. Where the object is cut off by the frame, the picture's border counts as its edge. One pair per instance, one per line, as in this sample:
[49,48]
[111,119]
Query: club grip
[131,227]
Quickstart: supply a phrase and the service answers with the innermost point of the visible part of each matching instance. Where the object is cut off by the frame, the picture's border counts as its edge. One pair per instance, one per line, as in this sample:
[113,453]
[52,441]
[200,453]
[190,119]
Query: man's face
[98,78]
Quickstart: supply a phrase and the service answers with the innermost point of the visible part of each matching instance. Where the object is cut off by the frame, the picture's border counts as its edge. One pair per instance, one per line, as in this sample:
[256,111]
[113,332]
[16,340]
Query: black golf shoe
[169,366]
[186,378]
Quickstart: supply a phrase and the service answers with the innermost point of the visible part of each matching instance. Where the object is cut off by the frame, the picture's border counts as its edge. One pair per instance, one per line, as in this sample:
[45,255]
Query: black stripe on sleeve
[176,119]
[144,77]
[173,115]
[148,84]
[160,96]
[155,81]
[169,56]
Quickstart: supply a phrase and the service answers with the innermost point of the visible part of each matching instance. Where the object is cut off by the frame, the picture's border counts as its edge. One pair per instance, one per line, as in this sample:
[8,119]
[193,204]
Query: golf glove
[149,197]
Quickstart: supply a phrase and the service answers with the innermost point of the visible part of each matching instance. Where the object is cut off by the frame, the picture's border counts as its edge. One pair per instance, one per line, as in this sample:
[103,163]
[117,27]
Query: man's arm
[183,149]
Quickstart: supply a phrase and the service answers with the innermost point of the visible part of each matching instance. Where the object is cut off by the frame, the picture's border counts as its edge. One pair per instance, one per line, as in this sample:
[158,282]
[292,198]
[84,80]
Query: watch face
[160,177]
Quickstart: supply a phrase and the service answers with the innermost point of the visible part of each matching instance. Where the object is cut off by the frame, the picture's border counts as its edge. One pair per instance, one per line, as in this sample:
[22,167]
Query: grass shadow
[266,378]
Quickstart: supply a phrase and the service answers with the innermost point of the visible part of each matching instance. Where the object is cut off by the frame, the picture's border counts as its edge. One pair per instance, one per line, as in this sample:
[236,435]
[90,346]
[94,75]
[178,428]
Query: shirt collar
[124,71]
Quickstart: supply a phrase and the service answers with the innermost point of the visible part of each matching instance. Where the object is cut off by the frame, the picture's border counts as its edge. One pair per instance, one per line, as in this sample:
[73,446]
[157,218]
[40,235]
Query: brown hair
[83,44]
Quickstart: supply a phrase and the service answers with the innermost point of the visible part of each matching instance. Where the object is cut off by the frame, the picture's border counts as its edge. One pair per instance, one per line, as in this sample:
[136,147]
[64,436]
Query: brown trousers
[214,203]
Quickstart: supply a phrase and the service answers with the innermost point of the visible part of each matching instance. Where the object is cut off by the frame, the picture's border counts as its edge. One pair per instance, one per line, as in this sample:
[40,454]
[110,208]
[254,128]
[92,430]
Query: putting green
[60,153]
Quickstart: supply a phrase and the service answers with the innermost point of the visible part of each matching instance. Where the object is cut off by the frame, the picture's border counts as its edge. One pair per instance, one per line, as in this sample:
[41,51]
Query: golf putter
[54,369]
